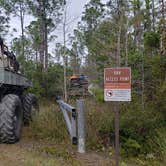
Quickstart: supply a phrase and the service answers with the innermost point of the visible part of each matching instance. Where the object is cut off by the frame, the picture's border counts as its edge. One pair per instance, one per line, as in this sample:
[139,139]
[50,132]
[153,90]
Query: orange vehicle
[78,80]
[78,84]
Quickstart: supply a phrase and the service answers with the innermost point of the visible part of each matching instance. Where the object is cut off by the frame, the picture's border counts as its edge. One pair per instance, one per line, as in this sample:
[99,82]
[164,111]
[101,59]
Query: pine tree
[17,8]
[46,11]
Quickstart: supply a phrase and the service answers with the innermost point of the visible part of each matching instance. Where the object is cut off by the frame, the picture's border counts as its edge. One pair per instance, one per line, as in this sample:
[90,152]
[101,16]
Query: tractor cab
[78,85]
[7,58]
[78,80]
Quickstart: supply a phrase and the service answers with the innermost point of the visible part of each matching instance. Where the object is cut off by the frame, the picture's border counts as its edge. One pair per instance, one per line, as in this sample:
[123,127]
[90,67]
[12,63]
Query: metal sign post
[81,125]
[117,87]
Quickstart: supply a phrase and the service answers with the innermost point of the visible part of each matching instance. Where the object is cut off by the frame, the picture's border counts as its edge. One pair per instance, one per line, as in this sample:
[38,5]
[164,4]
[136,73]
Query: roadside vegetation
[142,134]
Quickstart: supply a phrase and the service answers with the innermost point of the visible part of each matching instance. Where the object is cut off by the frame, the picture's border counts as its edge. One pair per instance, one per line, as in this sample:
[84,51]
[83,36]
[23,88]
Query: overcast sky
[74,12]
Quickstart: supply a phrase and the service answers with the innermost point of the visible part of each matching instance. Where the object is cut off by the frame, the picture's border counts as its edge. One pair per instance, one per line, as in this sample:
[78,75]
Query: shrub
[131,147]
[152,40]
[137,128]
[161,141]
[97,93]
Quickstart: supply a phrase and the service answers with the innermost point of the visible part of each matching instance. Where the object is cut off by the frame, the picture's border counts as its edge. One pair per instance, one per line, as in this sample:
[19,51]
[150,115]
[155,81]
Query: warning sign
[117,84]
[109,93]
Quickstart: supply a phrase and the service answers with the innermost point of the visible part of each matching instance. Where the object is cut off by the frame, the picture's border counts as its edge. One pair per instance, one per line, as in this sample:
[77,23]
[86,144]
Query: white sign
[117,95]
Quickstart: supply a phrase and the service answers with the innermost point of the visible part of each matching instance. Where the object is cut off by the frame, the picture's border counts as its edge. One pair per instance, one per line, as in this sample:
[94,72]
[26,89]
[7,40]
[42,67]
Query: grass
[49,124]
[50,139]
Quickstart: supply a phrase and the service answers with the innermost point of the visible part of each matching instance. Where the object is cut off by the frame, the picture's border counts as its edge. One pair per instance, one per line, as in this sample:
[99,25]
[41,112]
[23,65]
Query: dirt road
[30,152]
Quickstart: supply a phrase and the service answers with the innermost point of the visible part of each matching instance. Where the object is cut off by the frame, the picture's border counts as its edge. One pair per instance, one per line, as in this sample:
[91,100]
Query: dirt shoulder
[22,154]
[30,152]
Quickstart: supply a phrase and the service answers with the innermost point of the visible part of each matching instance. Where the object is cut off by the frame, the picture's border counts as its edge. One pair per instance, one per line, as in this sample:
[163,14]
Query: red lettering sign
[118,82]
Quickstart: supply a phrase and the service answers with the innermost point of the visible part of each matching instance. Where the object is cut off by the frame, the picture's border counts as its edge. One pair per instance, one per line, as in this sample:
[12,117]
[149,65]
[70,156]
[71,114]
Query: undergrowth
[49,124]
[142,134]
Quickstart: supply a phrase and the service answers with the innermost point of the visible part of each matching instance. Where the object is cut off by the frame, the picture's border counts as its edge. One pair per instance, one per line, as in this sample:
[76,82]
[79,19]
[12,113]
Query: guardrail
[69,114]
[75,122]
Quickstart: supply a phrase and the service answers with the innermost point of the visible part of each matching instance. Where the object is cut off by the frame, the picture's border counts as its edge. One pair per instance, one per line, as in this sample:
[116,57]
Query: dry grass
[49,124]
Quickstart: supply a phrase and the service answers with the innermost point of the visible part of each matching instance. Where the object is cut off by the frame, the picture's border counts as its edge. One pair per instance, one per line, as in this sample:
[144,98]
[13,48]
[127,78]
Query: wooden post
[116,113]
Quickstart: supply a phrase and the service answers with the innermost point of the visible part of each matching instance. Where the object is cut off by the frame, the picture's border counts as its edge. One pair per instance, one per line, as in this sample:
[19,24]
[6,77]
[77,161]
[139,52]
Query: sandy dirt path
[28,152]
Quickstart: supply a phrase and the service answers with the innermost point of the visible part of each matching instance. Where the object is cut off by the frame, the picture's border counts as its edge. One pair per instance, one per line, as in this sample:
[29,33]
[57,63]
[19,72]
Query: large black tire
[11,116]
[30,107]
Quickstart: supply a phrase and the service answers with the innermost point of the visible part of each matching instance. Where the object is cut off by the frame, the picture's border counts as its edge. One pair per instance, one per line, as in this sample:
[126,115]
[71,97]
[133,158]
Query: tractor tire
[30,108]
[11,116]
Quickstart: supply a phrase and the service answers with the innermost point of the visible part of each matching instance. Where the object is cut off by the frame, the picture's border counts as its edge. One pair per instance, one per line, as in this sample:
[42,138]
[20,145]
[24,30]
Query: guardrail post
[74,127]
[81,125]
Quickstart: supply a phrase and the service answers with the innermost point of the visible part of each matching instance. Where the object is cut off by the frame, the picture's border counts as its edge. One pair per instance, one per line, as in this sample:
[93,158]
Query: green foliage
[45,84]
[37,89]
[98,94]
[131,147]
[134,61]
[152,40]
[160,142]
[93,11]
[140,126]
[141,133]
[54,81]
[160,102]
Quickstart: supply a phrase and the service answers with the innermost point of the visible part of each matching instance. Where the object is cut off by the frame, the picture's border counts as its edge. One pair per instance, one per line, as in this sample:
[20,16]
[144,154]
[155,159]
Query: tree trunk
[118,46]
[162,31]
[76,67]
[153,15]
[41,46]
[126,45]
[118,58]
[64,56]
[77,63]
[46,47]
[36,58]
[142,84]
[147,15]
[21,8]
[41,17]
[137,41]
[163,10]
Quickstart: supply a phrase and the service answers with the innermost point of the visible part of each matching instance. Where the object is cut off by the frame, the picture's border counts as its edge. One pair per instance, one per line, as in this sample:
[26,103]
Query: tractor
[16,105]
[78,86]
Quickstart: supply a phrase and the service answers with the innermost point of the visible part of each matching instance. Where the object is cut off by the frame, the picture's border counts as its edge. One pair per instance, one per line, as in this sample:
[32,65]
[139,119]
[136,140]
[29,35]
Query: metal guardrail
[70,116]
[75,122]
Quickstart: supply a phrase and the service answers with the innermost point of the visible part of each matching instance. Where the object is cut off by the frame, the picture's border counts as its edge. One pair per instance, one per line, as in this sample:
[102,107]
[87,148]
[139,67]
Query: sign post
[116,123]
[117,87]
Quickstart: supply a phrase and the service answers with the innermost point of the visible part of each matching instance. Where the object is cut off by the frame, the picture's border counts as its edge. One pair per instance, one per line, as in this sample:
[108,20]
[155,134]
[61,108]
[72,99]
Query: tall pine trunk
[64,56]
[41,46]
[126,45]
[46,46]
[22,29]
